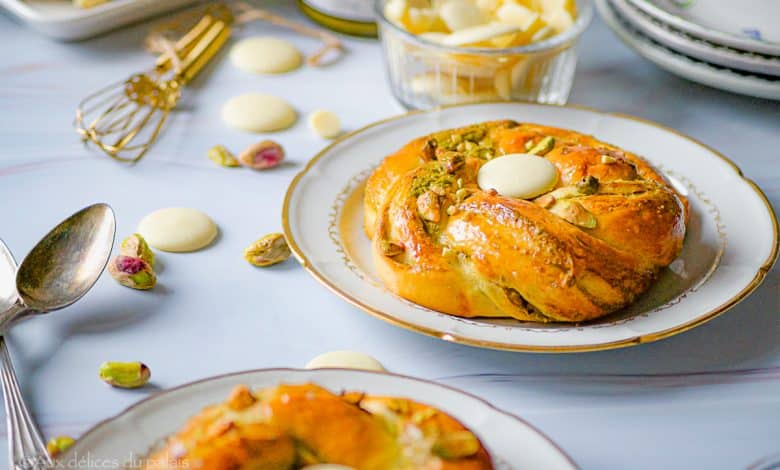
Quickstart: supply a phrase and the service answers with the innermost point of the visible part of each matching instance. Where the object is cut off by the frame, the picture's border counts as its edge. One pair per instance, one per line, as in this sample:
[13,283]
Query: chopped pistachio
[456,445]
[462,194]
[58,445]
[459,182]
[574,213]
[543,146]
[268,250]
[529,144]
[421,415]
[220,155]
[513,296]
[607,159]
[451,210]
[428,206]
[136,246]
[125,374]
[546,201]
[390,249]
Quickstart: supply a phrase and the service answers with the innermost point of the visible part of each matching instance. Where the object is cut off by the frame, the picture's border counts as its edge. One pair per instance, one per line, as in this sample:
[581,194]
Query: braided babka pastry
[301,426]
[588,247]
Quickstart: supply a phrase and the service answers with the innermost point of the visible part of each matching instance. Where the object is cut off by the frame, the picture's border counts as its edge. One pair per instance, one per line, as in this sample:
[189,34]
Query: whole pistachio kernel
[125,374]
[136,246]
[269,250]
[587,185]
[262,155]
[543,146]
[456,445]
[58,445]
[220,155]
[132,272]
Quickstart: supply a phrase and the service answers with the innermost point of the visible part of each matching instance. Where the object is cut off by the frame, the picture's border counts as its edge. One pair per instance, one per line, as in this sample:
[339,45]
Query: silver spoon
[58,271]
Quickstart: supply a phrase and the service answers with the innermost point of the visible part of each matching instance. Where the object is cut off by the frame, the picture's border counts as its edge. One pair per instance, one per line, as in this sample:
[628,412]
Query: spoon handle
[26,449]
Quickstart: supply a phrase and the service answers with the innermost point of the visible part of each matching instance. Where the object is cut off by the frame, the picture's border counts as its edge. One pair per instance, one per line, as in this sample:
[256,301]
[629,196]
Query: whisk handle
[205,49]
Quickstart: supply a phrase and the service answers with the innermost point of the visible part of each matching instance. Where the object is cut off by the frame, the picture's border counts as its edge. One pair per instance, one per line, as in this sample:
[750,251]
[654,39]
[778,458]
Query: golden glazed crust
[587,248]
[291,426]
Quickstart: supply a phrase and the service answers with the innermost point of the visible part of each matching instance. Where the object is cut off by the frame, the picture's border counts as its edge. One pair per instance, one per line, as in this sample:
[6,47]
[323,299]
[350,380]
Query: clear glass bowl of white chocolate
[443,52]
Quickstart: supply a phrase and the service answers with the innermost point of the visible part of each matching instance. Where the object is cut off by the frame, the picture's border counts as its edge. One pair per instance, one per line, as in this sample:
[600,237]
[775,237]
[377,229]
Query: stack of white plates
[729,45]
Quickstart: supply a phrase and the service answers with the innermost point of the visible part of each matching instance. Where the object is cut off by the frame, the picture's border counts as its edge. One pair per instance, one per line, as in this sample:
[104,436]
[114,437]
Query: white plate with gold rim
[731,243]
[128,437]
[60,19]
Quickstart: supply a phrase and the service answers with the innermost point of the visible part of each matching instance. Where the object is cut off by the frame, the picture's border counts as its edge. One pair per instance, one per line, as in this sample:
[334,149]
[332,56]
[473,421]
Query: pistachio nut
[262,155]
[125,374]
[587,185]
[423,414]
[574,213]
[269,250]
[543,146]
[220,155]
[132,272]
[390,249]
[456,445]
[608,159]
[58,445]
[136,246]
[428,206]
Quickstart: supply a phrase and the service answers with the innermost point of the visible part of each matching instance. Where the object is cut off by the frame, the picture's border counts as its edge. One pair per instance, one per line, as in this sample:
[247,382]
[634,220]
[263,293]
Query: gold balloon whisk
[125,118]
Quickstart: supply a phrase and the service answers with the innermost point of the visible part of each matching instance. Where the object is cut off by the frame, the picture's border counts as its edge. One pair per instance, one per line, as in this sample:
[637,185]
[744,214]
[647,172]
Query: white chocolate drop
[257,112]
[325,124]
[178,229]
[263,54]
[345,359]
[518,175]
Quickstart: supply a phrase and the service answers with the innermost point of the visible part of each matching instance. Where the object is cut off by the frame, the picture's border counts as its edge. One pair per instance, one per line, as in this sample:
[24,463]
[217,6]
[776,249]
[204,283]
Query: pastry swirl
[293,426]
[587,248]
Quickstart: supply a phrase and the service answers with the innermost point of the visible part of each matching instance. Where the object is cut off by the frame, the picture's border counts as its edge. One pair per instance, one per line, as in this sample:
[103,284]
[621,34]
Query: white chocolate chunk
[325,124]
[395,11]
[420,20]
[178,229]
[263,54]
[256,112]
[558,20]
[460,14]
[516,14]
[479,33]
[518,175]
[346,360]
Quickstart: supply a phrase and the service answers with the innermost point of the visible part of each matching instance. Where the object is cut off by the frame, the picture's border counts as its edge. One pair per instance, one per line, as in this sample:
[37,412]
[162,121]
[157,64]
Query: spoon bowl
[68,261]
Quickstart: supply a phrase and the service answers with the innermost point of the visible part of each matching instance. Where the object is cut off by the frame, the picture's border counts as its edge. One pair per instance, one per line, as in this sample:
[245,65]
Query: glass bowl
[424,74]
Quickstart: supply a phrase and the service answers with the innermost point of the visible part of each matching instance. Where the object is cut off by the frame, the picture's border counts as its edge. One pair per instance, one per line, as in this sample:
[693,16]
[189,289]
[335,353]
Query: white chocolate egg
[256,112]
[263,54]
[178,229]
[518,175]
[325,124]
[345,359]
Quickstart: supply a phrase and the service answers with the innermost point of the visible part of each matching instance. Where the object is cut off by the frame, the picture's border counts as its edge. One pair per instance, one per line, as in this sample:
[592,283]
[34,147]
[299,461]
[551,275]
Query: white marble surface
[708,398]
